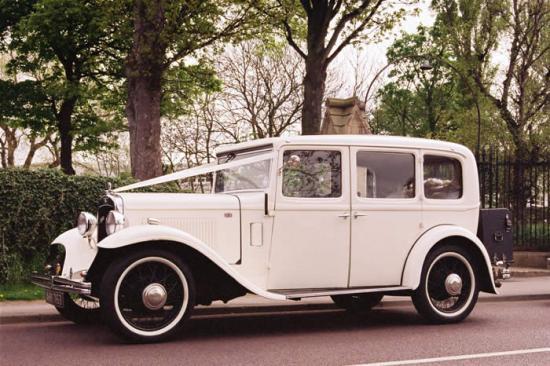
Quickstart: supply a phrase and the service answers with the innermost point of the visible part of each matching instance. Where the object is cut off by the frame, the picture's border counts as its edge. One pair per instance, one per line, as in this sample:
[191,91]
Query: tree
[71,47]
[437,103]
[399,112]
[521,91]
[434,92]
[189,141]
[327,26]
[475,30]
[261,97]
[262,90]
[24,113]
[165,33]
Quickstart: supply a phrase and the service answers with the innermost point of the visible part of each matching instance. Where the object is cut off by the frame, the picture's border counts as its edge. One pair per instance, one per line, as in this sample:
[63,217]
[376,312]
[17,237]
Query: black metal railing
[521,186]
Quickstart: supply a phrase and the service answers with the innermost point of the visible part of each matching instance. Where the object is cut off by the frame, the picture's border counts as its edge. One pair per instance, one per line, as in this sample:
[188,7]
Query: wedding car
[350,217]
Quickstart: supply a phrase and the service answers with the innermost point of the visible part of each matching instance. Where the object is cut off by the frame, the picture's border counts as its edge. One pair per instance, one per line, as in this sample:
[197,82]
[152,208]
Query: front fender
[79,255]
[415,260]
[150,233]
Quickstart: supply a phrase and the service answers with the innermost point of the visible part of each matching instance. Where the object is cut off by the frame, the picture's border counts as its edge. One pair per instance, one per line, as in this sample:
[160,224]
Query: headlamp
[114,222]
[86,224]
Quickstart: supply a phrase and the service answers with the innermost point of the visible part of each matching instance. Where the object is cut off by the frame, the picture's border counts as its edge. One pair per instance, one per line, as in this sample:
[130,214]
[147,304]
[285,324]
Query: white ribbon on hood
[192,172]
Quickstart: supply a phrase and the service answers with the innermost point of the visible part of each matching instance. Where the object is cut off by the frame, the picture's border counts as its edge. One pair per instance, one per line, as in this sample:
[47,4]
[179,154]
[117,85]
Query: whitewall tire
[448,289]
[147,297]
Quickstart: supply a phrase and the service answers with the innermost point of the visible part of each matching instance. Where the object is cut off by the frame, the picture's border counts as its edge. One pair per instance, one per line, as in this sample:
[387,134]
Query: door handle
[356,215]
[344,216]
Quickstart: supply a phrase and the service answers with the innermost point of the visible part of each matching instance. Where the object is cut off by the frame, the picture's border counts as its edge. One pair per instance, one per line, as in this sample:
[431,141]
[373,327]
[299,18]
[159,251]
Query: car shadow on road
[233,326]
[230,326]
[298,322]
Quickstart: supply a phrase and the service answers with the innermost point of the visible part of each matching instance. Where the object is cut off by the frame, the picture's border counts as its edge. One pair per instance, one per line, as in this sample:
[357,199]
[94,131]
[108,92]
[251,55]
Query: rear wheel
[357,303]
[80,309]
[147,297]
[448,288]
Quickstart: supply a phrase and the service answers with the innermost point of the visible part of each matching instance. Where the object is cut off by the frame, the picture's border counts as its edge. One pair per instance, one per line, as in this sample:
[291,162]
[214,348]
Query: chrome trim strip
[62,284]
[295,294]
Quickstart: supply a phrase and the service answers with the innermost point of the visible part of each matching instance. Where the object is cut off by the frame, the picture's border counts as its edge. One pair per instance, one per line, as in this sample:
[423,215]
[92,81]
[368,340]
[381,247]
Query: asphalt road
[330,337]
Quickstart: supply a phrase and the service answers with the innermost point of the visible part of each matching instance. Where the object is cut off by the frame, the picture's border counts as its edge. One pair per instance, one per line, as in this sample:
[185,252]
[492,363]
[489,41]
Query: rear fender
[415,260]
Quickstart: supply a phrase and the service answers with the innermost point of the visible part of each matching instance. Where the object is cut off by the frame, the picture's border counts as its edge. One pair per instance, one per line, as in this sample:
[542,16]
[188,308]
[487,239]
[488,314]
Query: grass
[20,291]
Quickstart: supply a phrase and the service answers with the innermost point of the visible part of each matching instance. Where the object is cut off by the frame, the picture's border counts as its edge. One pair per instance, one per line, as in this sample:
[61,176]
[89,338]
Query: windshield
[251,176]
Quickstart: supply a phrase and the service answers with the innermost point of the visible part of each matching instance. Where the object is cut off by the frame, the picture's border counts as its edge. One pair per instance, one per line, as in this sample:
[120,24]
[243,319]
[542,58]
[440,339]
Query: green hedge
[36,206]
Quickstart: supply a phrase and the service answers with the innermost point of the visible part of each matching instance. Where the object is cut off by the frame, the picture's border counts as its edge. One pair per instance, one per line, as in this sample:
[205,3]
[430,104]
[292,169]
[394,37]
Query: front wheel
[448,287]
[147,296]
[80,309]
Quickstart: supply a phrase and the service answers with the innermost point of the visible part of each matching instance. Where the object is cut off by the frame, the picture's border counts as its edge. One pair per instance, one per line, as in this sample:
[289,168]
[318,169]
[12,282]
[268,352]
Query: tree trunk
[521,191]
[3,154]
[64,120]
[11,145]
[314,92]
[316,70]
[32,151]
[54,150]
[34,146]
[143,112]
[144,69]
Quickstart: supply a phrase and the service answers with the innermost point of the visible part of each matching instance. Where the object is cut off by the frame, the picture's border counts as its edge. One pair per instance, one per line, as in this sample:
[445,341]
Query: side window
[385,175]
[312,173]
[442,177]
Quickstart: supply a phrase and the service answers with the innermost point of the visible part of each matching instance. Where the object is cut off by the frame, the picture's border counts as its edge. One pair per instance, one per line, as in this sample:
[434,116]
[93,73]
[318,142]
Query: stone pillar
[345,117]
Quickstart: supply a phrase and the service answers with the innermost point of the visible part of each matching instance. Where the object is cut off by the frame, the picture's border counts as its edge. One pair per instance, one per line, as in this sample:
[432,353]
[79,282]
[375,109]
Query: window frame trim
[397,150]
[451,155]
[345,173]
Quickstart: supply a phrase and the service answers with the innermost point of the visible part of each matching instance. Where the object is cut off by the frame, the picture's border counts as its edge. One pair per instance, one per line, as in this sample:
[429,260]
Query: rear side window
[442,177]
[385,175]
[312,173]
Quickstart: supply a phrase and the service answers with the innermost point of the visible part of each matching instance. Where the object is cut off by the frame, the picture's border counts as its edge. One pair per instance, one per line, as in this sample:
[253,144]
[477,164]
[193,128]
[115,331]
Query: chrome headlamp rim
[86,224]
[117,201]
[114,222]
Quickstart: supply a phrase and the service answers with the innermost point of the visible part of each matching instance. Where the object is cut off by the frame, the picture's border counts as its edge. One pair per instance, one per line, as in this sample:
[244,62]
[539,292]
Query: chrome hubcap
[453,284]
[154,296]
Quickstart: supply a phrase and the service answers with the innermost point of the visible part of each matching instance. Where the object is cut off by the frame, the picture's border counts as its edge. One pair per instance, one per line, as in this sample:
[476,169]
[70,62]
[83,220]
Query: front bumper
[62,284]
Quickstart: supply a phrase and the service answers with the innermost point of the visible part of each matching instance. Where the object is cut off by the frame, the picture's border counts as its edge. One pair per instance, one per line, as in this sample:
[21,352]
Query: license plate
[55,298]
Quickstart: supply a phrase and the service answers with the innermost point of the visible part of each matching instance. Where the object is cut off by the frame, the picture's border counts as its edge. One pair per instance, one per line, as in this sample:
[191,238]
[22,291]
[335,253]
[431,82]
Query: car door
[311,233]
[386,214]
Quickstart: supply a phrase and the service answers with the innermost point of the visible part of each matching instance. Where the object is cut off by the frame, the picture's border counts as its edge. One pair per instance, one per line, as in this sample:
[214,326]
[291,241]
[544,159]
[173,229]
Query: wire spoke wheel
[80,309]
[448,290]
[85,302]
[449,283]
[151,294]
[147,297]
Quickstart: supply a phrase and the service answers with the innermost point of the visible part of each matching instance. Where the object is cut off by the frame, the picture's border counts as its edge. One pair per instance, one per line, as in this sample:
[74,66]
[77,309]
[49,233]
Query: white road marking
[456,358]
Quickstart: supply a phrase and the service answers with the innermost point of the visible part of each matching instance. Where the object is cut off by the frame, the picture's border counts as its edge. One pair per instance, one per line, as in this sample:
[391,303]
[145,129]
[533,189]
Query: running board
[298,294]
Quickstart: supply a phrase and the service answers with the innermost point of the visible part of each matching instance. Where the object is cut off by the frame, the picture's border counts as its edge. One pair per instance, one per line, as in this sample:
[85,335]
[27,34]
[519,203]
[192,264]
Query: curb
[34,318]
[252,310]
[531,273]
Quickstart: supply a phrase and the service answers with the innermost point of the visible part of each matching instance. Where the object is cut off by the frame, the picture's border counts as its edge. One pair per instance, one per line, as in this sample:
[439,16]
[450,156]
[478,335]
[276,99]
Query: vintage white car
[351,217]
